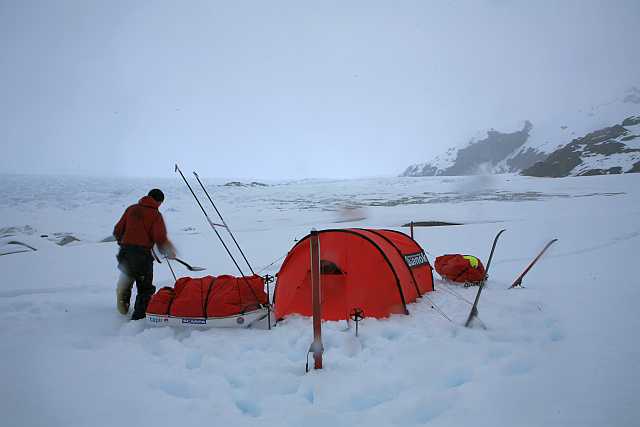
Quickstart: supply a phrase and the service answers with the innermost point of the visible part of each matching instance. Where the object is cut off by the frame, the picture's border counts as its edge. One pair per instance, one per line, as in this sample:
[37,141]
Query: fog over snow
[288,89]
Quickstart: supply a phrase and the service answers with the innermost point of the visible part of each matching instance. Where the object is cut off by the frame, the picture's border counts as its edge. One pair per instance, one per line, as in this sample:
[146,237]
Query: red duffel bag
[161,301]
[460,268]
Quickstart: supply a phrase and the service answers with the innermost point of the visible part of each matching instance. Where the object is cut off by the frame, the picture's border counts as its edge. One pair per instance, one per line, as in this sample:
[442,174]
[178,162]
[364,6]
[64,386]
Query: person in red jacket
[140,228]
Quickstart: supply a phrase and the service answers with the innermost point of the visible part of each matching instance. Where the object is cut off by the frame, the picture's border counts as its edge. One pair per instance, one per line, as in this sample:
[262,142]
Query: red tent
[377,271]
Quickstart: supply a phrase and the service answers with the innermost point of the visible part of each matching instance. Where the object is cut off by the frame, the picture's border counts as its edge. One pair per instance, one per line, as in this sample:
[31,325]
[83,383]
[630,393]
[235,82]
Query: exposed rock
[524,159]
[633,96]
[12,231]
[565,160]
[611,171]
[242,184]
[631,121]
[555,166]
[420,170]
[65,240]
[496,147]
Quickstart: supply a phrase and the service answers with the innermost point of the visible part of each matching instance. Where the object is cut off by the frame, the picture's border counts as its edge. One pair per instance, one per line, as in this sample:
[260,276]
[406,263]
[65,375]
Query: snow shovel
[187,265]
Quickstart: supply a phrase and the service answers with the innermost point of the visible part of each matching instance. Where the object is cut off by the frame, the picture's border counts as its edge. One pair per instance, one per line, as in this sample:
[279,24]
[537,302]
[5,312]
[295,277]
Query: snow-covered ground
[561,352]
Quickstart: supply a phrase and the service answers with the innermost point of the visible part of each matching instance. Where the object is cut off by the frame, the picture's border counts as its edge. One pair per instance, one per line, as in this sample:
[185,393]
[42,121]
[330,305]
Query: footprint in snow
[424,413]
[309,395]
[248,407]
[364,402]
[194,360]
[518,367]
[554,332]
[234,381]
[178,388]
[391,334]
[457,377]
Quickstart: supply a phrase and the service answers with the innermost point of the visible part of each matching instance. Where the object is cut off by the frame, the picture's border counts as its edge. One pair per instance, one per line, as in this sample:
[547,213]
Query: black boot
[145,292]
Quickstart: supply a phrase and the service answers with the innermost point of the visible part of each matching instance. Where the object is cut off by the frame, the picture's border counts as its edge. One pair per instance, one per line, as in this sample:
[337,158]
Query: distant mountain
[479,155]
[611,150]
[528,149]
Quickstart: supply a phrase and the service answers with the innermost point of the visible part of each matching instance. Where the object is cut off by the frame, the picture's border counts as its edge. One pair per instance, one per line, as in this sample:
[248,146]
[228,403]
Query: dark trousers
[136,263]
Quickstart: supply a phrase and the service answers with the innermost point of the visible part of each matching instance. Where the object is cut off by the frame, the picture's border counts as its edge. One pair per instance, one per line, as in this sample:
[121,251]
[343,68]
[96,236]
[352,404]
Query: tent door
[334,296]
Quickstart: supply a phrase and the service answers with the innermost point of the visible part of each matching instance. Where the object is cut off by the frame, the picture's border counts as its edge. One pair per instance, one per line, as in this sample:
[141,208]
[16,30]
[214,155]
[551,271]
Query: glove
[168,250]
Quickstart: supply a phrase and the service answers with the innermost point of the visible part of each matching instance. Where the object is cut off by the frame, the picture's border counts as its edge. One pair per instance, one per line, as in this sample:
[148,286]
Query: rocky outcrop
[586,155]
[632,96]
[477,155]
[631,121]
[523,159]
[242,184]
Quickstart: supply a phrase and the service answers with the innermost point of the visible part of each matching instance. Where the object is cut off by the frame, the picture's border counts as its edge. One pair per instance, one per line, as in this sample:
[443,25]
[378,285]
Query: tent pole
[316,346]
[213,226]
[411,227]
[223,222]
[268,279]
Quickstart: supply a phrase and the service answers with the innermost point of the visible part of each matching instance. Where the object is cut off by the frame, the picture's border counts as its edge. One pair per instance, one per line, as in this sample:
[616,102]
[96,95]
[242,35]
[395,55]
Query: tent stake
[357,314]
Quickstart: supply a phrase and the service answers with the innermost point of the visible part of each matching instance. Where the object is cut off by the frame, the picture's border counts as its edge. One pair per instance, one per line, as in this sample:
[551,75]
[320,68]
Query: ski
[474,308]
[15,252]
[518,282]
[14,242]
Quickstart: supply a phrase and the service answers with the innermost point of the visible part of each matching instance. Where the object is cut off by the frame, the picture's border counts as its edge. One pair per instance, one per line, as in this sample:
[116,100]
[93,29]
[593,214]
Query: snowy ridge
[626,161]
[610,150]
[543,137]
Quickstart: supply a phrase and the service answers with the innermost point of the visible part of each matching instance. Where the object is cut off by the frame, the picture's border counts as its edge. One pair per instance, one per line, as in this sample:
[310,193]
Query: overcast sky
[292,89]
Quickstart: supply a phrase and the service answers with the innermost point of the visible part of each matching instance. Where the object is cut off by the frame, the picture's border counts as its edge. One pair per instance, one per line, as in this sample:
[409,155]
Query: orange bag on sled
[460,268]
[209,297]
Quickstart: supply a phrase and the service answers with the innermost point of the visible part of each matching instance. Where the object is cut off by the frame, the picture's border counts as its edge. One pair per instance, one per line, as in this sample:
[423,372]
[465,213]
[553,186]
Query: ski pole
[209,221]
[160,262]
[171,268]
[223,222]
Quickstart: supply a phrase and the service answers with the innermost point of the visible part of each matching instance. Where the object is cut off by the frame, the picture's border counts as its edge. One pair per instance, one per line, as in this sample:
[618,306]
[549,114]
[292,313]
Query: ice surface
[563,351]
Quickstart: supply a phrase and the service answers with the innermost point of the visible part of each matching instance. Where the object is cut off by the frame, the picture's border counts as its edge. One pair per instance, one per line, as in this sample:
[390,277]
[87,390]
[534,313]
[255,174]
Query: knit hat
[157,195]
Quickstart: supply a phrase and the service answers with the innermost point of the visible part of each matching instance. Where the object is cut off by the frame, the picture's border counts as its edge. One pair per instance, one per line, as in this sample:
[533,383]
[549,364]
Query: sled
[240,320]
[206,302]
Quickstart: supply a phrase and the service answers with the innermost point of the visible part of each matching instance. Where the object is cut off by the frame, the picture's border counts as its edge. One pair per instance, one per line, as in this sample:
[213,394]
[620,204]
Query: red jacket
[141,225]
